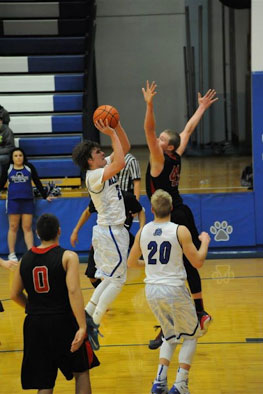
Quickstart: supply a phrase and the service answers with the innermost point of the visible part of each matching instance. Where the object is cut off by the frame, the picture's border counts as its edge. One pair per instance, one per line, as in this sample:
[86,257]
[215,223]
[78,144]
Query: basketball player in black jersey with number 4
[163,172]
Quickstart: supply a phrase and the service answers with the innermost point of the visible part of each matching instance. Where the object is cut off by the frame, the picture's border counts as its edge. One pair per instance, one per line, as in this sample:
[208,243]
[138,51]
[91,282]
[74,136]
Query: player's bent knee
[187,351]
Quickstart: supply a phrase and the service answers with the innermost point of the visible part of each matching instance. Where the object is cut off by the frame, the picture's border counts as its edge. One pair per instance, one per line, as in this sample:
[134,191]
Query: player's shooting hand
[104,127]
[204,237]
[78,339]
[208,99]
[74,238]
[149,92]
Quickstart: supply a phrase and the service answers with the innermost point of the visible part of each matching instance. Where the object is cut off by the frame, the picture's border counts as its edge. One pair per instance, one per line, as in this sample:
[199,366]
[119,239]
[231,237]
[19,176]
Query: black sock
[1,307]
[199,306]
[96,283]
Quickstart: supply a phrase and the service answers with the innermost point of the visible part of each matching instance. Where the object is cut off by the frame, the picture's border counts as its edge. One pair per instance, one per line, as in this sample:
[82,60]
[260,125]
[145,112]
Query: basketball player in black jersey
[163,172]
[55,325]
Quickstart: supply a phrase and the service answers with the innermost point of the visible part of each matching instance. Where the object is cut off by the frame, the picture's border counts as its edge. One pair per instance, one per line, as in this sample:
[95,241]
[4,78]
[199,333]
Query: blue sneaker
[93,332]
[174,391]
[180,388]
[160,387]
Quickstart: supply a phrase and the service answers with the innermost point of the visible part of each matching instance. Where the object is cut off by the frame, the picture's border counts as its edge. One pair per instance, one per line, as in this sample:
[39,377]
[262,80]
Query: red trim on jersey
[43,250]
[89,351]
[152,187]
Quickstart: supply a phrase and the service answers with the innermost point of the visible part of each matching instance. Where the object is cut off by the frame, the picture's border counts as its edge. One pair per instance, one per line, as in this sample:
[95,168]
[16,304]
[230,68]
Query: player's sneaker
[157,342]
[160,387]
[12,257]
[180,388]
[93,332]
[204,320]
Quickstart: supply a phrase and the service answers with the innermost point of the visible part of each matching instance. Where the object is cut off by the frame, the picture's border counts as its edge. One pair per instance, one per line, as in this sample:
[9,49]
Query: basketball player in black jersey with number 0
[55,325]
[163,172]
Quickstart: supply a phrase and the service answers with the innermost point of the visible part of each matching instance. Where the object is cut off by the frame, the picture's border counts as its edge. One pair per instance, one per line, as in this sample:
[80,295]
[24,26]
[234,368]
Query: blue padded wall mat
[55,63]
[60,167]
[49,146]
[42,45]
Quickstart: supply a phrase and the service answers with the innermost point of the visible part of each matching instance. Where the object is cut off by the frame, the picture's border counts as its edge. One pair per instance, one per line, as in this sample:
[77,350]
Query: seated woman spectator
[20,201]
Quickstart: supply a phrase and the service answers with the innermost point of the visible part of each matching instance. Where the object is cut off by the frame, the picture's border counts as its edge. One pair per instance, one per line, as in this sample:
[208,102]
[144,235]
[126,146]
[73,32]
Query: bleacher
[43,58]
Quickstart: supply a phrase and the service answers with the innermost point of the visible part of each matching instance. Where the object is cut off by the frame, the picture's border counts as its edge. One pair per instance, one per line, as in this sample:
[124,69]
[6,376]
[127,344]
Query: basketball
[107,112]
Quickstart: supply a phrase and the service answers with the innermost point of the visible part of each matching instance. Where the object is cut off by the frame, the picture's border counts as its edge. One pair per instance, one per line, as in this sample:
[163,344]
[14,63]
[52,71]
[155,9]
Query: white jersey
[106,197]
[162,254]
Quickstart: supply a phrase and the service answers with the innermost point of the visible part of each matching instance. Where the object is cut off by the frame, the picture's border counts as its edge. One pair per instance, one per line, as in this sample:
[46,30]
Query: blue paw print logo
[221,231]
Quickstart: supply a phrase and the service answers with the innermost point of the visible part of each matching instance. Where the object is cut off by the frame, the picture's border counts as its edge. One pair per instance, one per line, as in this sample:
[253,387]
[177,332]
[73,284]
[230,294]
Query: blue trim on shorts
[183,333]
[118,250]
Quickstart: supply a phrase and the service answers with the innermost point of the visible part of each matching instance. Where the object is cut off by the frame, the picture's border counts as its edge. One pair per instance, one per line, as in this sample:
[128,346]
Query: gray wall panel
[130,50]
[242,31]
[31,28]
[141,7]
[29,10]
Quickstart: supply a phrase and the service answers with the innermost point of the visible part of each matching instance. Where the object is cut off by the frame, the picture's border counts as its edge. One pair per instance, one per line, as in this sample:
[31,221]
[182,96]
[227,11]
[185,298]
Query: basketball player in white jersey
[110,238]
[162,244]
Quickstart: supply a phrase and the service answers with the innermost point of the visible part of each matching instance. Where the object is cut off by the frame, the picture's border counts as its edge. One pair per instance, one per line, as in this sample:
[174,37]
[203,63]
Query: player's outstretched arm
[137,188]
[135,253]
[82,220]
[196,257]
[125,143]
[204,103]
[71,264]
[17,293]
[117,157]
[156,153]
[142,218]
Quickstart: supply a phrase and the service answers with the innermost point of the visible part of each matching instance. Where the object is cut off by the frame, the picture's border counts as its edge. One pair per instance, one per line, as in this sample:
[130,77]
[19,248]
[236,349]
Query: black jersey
[168,179]
[44,280]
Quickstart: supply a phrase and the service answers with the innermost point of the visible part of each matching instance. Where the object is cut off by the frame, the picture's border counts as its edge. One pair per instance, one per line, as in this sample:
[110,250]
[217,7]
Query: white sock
[93,302]
[107,297]
[162,372]
[182,375]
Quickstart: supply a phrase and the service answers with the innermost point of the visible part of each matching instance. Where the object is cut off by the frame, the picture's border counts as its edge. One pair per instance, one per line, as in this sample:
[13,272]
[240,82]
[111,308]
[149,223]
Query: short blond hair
[162,203]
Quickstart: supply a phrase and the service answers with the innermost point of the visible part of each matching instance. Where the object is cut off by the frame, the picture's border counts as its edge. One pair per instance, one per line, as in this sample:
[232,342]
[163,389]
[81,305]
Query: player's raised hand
[104,127]
[149,92]
[208,99]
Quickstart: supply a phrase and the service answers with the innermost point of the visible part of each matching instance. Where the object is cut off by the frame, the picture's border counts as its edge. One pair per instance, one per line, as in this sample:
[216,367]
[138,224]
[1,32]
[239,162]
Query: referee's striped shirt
[129,173]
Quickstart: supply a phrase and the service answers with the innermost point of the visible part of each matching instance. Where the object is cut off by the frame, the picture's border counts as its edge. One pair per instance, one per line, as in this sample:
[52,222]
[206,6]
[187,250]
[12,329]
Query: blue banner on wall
[229,218]
[257,107]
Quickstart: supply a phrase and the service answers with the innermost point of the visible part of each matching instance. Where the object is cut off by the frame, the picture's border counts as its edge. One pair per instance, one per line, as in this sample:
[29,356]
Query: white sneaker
[180,388]
[12,256]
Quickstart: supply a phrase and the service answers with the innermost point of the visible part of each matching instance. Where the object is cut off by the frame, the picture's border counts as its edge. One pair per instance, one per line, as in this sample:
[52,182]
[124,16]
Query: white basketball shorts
[174,309]
[111,245]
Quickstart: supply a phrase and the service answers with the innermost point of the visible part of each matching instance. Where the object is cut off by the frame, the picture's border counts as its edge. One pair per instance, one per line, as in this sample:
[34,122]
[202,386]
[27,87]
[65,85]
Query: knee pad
[187,351]
[167,350]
